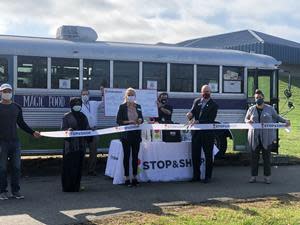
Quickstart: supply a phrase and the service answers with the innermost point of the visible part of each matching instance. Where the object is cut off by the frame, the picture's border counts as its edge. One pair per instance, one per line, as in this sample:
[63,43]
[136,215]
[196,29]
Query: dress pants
[205,140]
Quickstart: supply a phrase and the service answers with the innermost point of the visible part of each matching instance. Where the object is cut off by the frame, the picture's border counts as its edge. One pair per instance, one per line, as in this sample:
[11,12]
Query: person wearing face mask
[164,109]
[130,113]
[10,116]
[204,110]
[261,140]
[74,148]
[90,109]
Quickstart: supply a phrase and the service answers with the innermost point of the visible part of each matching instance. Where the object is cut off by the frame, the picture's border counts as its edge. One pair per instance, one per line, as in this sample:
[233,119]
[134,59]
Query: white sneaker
[252,179]
[17,195]
[267,180]
[4,196]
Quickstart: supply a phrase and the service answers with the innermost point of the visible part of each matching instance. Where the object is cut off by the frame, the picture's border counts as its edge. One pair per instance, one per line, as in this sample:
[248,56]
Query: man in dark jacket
[204,110]
[11,116]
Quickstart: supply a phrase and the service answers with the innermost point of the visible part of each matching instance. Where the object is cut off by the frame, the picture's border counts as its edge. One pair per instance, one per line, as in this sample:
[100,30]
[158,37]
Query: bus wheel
[221,143]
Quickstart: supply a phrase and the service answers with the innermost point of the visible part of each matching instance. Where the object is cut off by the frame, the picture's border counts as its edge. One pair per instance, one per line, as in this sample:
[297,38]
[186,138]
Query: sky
[151,21]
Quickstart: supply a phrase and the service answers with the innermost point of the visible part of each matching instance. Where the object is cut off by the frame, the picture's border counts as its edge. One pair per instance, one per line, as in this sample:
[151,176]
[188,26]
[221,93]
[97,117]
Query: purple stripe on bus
[186,103]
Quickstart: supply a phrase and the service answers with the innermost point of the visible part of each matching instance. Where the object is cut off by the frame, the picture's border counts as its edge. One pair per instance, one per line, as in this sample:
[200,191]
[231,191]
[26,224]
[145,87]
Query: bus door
[267,82]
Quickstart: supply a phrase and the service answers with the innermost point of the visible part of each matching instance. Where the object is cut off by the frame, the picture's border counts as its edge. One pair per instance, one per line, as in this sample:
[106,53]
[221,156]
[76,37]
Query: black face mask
[206,95]
[164,101]
[259,101]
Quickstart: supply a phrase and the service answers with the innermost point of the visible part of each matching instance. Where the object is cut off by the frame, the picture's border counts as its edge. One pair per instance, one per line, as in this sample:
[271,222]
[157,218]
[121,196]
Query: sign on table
[113,97]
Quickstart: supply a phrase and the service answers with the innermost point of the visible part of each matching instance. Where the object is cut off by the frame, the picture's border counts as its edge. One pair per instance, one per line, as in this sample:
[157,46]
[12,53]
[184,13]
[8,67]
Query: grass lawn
[289,142]
[272,210]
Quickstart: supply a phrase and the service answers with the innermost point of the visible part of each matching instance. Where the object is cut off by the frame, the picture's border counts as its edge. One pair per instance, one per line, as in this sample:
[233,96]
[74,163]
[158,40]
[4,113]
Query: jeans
[10,151]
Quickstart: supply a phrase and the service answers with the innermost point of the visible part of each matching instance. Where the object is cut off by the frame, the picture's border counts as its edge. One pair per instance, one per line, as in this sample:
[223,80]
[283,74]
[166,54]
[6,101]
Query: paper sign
[232,86]
[152,84]
[64,83]
[114,97]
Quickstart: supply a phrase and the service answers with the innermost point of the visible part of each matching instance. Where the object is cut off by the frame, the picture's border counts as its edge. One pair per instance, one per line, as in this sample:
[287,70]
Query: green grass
[289,142]
[274,211]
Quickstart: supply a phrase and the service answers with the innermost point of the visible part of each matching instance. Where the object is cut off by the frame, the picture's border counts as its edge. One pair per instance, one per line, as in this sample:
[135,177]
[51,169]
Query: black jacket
[207,114]
[123,116]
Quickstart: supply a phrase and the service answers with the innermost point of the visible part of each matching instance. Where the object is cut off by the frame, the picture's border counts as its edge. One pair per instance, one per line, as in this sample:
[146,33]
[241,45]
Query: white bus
[46,72]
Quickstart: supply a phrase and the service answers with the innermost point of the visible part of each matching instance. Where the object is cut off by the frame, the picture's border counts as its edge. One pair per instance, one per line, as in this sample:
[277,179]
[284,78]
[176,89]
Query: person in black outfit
[130,113]
[164,109]
[10,116]
[74,148]
[204,110]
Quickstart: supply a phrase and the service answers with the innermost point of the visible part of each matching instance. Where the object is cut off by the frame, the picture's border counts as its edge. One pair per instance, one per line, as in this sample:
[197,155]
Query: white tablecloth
[158,161]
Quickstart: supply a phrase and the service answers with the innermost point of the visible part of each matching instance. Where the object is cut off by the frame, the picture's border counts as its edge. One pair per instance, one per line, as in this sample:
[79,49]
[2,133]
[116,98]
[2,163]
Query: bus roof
[51,47]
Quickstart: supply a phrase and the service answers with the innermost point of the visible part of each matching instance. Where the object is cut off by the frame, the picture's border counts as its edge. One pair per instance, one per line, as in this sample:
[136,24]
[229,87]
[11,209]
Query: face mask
[6,96]
[85,98]
[131,98]
[206,95]
[76,108]
[164,101]
[259,101]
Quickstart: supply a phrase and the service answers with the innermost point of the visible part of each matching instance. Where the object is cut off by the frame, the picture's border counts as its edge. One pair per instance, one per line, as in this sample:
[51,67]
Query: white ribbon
[118,129]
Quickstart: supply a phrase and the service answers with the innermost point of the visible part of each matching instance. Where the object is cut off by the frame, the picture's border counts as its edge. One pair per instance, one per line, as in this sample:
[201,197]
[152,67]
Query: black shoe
[92,173]
[206,180]
[195,179]
[127,183]
[135,182]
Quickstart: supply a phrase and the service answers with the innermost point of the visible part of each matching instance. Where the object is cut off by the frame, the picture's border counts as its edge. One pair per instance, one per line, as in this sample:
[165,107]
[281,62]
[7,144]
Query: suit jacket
[123,116]
[207,114]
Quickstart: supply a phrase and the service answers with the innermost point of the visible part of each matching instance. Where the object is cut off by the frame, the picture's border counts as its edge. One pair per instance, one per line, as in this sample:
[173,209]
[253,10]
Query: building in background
[288,52]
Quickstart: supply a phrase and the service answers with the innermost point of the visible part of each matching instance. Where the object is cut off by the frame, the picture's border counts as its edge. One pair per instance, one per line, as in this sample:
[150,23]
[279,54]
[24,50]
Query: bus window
[64,73]
[126,74]
[251,85]
[233,79]
[95,74]
[32,72]
[260,79]
[3,70]
[208,75]
[156,72]
[182,77]
[264,85]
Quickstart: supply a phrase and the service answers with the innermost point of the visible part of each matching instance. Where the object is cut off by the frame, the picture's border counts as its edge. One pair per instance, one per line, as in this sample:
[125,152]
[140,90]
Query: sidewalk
[44,202]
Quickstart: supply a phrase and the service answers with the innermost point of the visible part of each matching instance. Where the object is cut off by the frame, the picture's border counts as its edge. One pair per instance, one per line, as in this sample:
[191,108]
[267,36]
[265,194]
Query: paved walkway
[44,202]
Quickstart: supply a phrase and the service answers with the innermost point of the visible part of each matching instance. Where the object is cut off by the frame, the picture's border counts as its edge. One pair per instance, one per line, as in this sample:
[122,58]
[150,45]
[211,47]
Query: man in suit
[204,110]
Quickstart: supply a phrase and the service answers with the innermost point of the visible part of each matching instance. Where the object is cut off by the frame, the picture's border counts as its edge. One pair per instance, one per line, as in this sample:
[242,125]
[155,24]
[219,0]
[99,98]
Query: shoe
[4,196]
[206,180]
[252,179]
[135,182]
[267,180]
[195,179]
[127,183]
[92,173]
[82,188]
[17,195]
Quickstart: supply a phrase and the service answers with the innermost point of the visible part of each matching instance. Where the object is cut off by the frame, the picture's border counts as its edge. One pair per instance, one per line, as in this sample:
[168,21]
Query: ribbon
[118,129]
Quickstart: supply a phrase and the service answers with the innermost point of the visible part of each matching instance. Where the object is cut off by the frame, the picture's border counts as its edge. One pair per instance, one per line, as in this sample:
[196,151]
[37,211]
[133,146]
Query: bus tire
[220,140]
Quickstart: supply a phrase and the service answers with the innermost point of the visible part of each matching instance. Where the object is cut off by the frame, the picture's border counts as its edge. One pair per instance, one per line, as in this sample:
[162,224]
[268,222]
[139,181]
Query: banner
[174,163]
[118,129]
